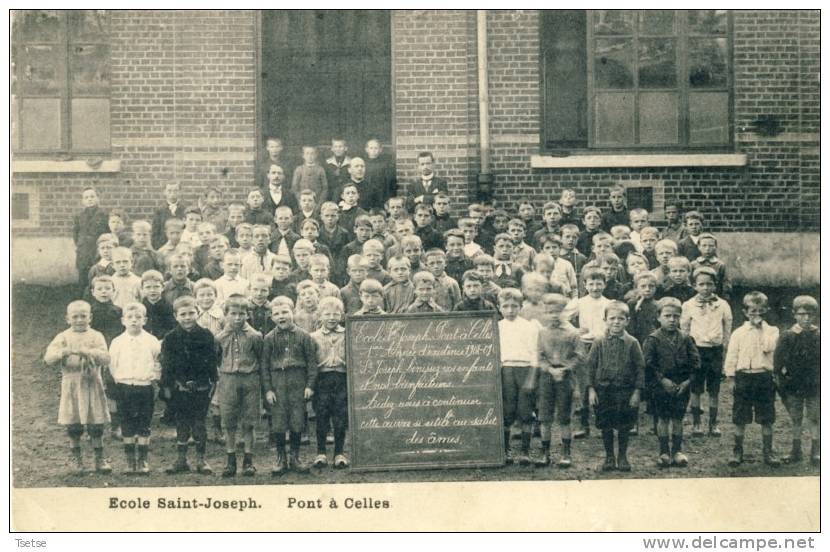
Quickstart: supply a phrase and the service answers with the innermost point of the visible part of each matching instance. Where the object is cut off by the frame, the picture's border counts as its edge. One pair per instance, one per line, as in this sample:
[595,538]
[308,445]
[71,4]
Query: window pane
[614,121]
[20,206]
[90,124]
[41,69]
[40,123]
[614,22]
[658,118]
[91,70]
[657,65]
[89,26]
[39,25]
[565,76]
[613,63]
[657,22]
[709,118]
[707,21]
[707,63]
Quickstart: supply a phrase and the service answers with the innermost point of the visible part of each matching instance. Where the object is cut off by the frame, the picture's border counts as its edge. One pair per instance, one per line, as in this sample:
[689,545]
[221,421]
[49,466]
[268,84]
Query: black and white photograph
[318,248]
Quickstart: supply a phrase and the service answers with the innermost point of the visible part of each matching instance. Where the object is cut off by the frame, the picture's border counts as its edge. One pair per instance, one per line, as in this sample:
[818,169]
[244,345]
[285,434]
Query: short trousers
[288,411]
[711,371]
[135,405]
[754,398]
[799,407]
[613,410]
[669,406]
[555,397]
[517,402]
[238,397]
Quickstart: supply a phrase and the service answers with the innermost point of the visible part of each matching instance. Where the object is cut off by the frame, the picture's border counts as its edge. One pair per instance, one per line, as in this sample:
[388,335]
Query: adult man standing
[425,188]
[369,193]
[277,193]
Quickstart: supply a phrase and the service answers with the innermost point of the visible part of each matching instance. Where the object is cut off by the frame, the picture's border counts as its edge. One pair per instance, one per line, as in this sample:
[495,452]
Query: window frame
[65,94]
[683,88]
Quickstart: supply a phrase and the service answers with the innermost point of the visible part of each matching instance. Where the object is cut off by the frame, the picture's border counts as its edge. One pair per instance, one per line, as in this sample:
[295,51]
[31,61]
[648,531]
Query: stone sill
[74,166]
[638,161]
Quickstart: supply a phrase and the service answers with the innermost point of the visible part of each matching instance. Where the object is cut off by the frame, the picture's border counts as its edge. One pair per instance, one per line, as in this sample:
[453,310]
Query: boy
[672,361]
[280,278]
[527,215]
[201,254]
[616,372]
[590,313]
[259,309]
[592,219]
[373,251]
[337,166]
[310,175]
[664,250]
[283,237]
[371,297]
[210,315]
[397,211]
[399,293]
[332,234]
[127,285]
[289,368]
[188,373]
[570,235]
[519,347]
[80,352]
[430,237]
[558,360]
[442,220]
[307,310]
[308,209]
[618,212]
[638,219]
[186,251]
[485,266]
[798,376]
[236,216]
[178,285]
[473,300]
[447,291]
[708,246]
[87,225]
[380,169]
[273,156]
[318,269]
[362,233]
[135,367]
[213,211]
[469,230]
[749,360]
[117,224]
[192,219]
[245,238]
[456,262]
[707,319]
[562,271]
[551,216]
[106,317]
[522,252]
[643,308]
[310,231]
[216,255]
[357,268]
[424,284]
[105,244]
[687,247]
[567,201]
[649,236]
[677,284]
[260,259]
[173,229]
[254,213]
[412,248]
[330,394]
[506,273]
[303,250]
[170,210]
[610,264]
[674,229]
[534,286]
[239,382]
[230,283]
[158,313]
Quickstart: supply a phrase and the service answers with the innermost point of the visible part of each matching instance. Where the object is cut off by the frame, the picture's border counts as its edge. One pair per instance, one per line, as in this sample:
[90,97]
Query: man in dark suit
[369,193]
[424,189]
[273,156]
[276,193]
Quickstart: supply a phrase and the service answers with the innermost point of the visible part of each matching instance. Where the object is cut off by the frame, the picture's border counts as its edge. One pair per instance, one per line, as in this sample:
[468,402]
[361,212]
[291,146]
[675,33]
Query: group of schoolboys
[230,309]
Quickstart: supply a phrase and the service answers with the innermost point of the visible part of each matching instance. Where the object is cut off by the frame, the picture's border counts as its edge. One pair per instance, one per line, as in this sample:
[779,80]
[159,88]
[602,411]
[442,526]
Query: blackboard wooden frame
[359,464]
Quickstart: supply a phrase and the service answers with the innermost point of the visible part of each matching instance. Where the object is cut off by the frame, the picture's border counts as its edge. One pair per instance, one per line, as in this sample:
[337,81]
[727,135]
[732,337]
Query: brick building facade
[184,92]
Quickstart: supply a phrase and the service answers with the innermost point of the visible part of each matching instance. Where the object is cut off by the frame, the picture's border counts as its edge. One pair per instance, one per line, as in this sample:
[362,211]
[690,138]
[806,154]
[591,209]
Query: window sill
[74,166]
[638,161]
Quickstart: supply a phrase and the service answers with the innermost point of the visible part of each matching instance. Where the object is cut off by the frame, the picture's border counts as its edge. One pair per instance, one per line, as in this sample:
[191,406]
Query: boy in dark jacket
[87,225]
[189,360]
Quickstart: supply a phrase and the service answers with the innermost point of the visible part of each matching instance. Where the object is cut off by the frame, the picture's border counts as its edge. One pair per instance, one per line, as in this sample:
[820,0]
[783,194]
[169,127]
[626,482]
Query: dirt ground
[40,454]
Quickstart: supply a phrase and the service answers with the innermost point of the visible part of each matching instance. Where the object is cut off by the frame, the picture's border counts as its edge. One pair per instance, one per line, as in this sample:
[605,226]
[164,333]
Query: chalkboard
[424,391]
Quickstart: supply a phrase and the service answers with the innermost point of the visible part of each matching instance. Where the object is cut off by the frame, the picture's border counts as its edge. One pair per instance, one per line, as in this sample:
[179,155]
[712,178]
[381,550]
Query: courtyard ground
[40,455]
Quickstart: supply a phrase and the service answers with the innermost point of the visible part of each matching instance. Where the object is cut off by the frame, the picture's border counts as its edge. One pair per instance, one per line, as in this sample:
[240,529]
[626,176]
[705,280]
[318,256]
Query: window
[24,207]
[60,81]
[636,80]
[326,73]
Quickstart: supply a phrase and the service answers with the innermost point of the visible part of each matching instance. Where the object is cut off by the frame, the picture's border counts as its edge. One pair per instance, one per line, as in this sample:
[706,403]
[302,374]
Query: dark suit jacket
[687,248]
[161,216]
[416,188]
[290,239]
[287,200]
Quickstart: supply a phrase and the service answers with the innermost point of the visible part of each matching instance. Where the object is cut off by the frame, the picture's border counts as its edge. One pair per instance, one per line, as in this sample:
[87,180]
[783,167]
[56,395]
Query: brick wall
[183,108]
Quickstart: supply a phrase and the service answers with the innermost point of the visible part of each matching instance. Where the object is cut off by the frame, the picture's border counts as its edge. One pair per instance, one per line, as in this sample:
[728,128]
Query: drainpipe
[485,179]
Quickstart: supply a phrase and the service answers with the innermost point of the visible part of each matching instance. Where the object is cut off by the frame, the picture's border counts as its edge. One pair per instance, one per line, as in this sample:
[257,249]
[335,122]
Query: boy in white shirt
[519,344]
[230,282]
[134,365]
